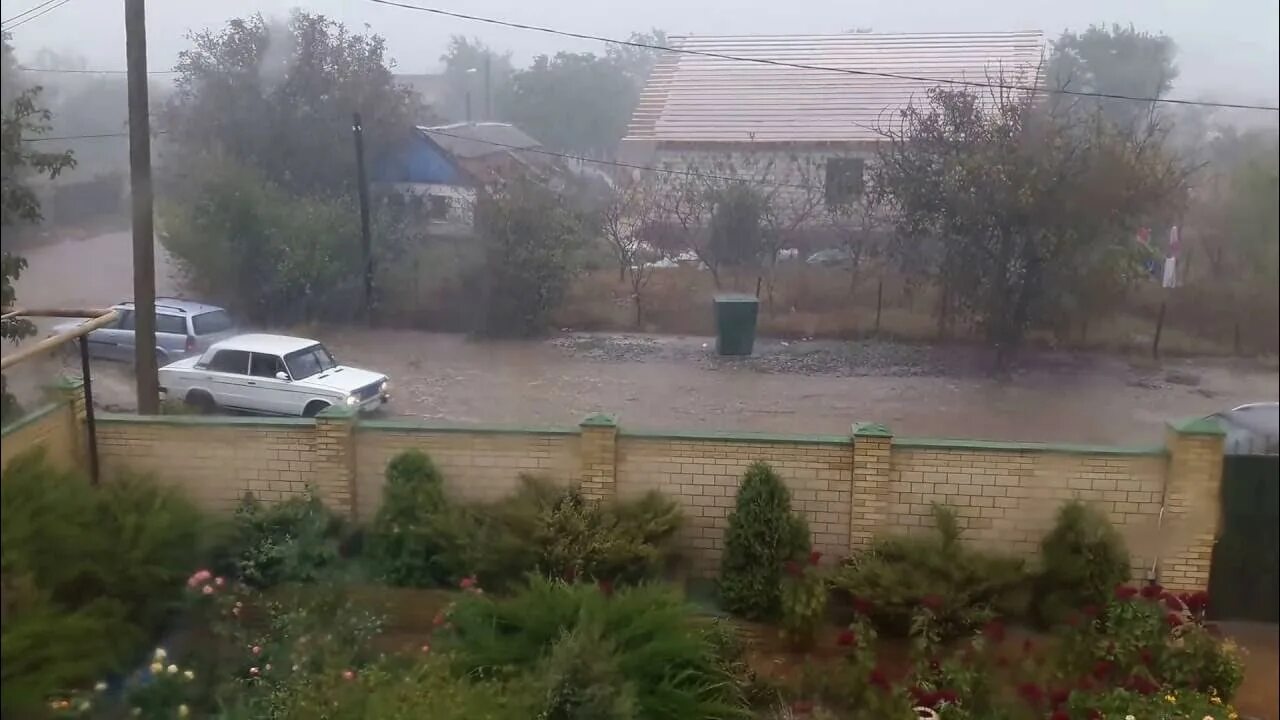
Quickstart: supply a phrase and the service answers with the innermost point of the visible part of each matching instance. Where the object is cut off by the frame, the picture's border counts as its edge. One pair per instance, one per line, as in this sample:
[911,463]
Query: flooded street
[678,382]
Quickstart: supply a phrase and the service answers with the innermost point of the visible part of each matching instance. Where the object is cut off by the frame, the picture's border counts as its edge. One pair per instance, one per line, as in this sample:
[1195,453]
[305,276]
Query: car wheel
[314,408]
[201,401]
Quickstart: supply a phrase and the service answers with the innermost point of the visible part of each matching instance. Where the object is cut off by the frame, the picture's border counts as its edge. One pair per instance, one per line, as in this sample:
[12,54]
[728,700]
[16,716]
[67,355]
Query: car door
[268,392]
[171,335]
[104,342]
[227,378]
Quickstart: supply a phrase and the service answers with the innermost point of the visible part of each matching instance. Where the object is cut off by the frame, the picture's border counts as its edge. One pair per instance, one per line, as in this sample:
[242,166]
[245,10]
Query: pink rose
[253,671]
[219,581]
[256,649]
[426,648]
[207,589]
[348,675]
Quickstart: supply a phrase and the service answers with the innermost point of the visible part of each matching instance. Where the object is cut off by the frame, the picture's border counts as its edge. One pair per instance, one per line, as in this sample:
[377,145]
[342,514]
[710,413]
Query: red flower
[1058,697]
[802,707]
[1196,602]
[1031,692]
[1090,611]
[815,557]
[792,568]
[1125,592]
[994,632]
[1095,714]
[1152,591]
[1085,683]
[846,638]
[862,606]
[932,602]
[1141,685]
[606,587]
[439,619]
[467,582]
[1059,715]
[1146,656]
[1173,603]
[878,679]
[1101,669]
[1173,620]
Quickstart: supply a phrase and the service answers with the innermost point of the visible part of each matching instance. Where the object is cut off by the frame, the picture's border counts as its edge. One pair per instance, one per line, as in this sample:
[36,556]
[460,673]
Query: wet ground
[679,382]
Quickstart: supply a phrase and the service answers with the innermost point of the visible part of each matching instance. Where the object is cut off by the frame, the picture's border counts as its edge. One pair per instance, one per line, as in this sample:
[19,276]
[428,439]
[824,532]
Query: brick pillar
[599,456]
[1192,503]
[71,391]
[872,444]
[334,463]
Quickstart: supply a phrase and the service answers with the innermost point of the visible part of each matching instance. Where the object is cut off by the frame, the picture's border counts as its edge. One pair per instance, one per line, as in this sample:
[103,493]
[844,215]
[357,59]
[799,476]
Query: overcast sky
[1228,49]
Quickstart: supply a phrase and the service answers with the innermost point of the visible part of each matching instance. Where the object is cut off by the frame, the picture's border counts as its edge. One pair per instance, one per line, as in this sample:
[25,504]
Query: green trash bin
[736,323]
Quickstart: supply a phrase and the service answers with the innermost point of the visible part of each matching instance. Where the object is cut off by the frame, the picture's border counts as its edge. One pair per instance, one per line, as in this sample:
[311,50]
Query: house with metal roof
[824,99]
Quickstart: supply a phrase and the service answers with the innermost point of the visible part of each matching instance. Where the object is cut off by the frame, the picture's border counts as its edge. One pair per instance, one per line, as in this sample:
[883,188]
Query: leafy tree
[578,102]
[19,161]
[1021,207]
[278,96]
[464,67]
[763,535]
[1118,60]
[530,241]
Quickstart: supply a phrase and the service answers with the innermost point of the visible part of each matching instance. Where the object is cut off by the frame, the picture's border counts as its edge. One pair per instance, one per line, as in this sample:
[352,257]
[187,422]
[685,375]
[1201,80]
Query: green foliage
[662,661]
[1117,60]
[555,531]
[293,541]
[267,254]
[737,230]
[1121,703]
[962,587]
[578,102]
[1081,559]
[404,543]
[763,534]
[804,601]
[531,241]
[90,574]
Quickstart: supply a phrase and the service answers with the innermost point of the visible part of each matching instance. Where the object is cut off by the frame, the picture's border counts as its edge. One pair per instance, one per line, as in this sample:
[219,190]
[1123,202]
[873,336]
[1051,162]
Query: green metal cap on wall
[871,429]
[1197,426]
[599,419]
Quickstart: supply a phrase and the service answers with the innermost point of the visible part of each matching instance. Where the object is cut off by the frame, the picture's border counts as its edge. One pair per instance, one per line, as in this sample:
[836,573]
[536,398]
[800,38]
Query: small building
[446,164]
[813,124]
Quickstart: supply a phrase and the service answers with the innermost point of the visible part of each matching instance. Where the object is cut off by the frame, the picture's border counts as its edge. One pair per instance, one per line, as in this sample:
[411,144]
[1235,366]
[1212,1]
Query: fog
[1228,51]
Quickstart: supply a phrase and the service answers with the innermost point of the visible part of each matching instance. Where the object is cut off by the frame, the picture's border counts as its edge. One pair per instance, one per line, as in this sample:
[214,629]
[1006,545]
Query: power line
[28,11]
[92,72]
[94,136]
[43,12]
[618,163]
[802,66]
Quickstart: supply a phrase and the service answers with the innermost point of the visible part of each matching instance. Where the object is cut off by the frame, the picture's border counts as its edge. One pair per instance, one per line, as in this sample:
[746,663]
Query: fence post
[334,464]
[1192,503]
[71,391]
[872,447]
[599,456]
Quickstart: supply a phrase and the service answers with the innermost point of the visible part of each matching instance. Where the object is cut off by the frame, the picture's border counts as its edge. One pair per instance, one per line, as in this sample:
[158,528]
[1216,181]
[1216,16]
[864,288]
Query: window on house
[844,180]
[437,207]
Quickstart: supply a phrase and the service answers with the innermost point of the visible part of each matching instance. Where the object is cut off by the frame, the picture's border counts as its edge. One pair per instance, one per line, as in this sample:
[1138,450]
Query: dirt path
[677,382]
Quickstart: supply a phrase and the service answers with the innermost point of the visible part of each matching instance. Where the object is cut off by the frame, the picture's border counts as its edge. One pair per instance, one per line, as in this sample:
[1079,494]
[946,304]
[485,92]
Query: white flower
[156,668]
[99,686]
[183,711]
[161,654]
[172,669]
[1130,717]
[189,675]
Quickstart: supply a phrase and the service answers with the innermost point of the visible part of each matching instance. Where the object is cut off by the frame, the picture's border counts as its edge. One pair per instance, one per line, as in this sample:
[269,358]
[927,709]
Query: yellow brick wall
[704,474]
[1007,499]
[53,428]
[477,465]
[1193,509]
[215,462]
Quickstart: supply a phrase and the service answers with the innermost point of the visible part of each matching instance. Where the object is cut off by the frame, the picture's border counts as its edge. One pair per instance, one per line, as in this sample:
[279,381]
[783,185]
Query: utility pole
[488,87]
[144,262]
[366,242]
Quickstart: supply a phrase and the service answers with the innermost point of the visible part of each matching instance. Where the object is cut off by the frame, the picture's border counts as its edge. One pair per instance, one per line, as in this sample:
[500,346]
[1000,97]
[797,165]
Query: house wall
[1164,499]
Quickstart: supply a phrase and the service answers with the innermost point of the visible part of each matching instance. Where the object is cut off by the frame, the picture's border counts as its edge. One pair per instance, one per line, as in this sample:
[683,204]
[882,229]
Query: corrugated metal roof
[694,98]
[477,139]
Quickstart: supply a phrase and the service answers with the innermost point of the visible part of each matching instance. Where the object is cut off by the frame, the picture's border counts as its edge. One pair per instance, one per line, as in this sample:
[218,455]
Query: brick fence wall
[1164,499]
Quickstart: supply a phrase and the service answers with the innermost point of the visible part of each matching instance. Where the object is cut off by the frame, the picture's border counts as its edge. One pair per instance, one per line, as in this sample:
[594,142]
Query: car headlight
[384,386]
[352,400]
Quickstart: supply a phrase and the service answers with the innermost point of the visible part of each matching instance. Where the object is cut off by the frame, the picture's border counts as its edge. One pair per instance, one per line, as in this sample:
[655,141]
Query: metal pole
[879,302]
[90,424]
[1155,344]
[144,265]
[488,87]
[366,241]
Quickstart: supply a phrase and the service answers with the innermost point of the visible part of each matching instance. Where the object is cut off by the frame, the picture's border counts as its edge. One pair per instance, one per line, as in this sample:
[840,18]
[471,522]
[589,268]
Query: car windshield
[309,361]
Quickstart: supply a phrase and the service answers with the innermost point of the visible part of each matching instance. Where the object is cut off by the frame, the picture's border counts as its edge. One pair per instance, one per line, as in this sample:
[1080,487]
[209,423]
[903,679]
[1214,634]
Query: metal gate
[1244,582]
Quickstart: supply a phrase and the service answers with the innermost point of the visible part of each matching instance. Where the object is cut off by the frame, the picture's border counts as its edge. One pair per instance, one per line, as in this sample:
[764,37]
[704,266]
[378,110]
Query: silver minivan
[183,328]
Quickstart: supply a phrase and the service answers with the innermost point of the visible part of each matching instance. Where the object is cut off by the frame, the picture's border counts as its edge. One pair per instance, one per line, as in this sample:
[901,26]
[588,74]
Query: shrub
[89,574]
[1081,559]
[763,534]
[657,651]
[804,601]
[295,540]
[555,531]
[406,542]
[961,587]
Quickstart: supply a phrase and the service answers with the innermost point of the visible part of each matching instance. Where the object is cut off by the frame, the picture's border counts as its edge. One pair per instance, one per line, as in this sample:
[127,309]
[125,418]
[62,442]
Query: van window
[211,322]
[230,361]
[172,324]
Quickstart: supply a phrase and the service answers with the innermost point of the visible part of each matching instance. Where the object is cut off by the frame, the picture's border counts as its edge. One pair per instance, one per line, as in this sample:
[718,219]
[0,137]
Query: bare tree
[629,223]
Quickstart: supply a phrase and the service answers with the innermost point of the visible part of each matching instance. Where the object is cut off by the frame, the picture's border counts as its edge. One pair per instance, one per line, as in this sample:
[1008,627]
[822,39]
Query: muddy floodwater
[679,383]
